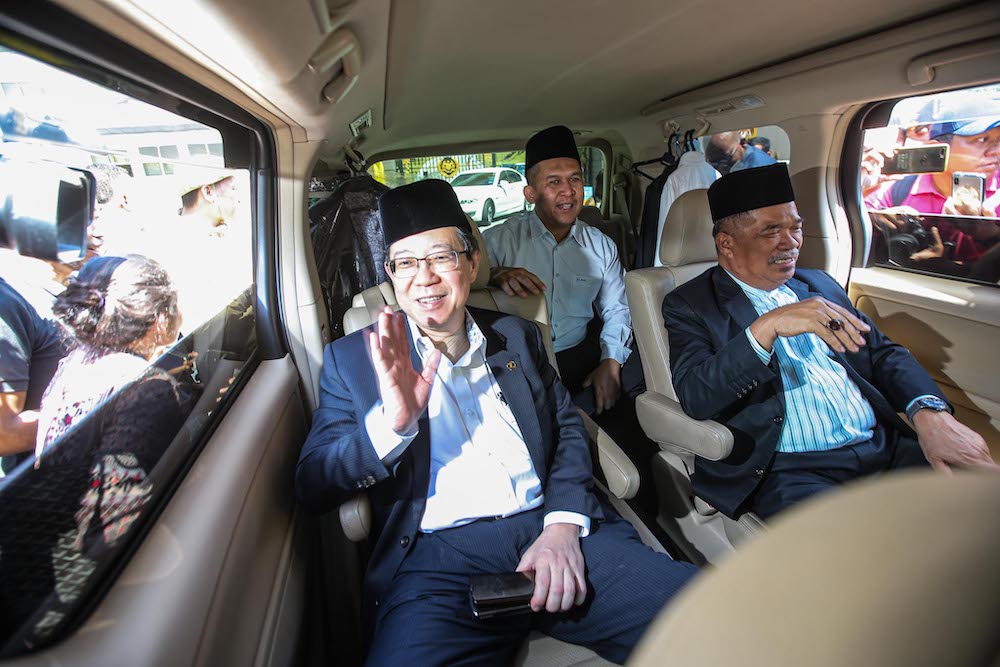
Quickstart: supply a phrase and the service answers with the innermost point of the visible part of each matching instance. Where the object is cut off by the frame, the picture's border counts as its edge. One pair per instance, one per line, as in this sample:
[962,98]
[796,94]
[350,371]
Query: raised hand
[404,391]
[812,315]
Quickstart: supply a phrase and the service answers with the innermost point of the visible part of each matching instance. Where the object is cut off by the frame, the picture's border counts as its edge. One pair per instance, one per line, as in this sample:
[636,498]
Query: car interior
[225,569]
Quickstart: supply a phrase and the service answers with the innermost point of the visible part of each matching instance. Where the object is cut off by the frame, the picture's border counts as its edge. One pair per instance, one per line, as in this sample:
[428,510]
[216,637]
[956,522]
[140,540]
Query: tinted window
[153,312]
[929,181]
[479,178]
[746,148]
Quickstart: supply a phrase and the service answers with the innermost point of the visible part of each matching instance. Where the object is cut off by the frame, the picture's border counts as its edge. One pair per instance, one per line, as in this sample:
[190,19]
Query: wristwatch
[930,403]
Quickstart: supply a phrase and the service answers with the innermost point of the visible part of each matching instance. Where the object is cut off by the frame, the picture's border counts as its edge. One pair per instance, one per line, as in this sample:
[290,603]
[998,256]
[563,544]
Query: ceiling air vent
[735,104]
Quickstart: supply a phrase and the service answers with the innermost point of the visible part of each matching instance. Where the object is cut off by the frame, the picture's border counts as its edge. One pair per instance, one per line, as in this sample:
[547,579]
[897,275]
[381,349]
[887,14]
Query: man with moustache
[809,387]
[475,461]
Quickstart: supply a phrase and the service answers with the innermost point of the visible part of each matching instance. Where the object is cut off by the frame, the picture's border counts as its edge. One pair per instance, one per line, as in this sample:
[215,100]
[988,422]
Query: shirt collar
[477,341]
[691,158]
[925,185]
[754,291]
[537,229]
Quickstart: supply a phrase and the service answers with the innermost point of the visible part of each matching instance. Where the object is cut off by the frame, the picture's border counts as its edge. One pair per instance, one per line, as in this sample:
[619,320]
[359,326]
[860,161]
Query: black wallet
[493,595]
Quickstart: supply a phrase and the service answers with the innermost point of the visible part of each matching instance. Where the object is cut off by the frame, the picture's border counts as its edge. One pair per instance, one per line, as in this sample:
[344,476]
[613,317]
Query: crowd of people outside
[87,407]
[938,217]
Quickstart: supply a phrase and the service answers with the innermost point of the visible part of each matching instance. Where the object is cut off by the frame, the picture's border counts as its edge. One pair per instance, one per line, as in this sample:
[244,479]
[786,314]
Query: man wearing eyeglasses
[477,463]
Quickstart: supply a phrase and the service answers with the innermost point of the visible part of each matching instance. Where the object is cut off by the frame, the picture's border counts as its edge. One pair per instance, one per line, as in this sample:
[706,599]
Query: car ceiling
[439,73]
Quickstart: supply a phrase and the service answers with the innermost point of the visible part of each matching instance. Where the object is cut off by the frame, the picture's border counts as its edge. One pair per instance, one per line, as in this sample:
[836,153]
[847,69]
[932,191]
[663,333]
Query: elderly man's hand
[404,391]
[606,380]
[516,281]
[557,561]
[811,315]
[948,442]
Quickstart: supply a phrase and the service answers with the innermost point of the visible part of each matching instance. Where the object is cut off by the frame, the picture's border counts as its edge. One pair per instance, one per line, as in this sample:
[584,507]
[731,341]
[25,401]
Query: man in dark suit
[475,461]
[810,388]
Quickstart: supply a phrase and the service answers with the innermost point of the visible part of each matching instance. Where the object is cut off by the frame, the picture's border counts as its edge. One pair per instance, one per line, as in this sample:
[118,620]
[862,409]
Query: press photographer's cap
[963,113]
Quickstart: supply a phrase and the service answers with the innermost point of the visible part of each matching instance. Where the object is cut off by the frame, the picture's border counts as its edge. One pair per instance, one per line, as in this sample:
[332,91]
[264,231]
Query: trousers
[426,618]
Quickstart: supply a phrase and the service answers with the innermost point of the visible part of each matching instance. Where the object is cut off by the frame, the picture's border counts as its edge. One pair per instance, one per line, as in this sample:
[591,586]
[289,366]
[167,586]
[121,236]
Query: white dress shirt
[480,465]
[580,273]
[692,173]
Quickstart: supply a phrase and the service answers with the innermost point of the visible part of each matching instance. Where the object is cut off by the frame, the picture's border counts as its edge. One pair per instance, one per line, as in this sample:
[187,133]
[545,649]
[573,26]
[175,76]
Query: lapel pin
[511,365]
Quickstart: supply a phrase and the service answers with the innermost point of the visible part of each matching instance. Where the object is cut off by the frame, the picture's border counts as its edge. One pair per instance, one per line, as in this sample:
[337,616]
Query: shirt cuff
[388,444]
[762,354]
[619,353]
[561,516]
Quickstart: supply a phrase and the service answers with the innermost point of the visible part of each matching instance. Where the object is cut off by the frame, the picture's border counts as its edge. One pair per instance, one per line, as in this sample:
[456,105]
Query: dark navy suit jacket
[338,460]
[717,375]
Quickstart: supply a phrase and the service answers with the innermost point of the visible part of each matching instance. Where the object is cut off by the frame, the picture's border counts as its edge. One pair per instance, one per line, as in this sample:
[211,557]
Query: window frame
[54,36]
[874,114]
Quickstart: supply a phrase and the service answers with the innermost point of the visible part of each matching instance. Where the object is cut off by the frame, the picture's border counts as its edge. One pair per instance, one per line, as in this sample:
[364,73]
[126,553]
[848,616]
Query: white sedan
[487,193]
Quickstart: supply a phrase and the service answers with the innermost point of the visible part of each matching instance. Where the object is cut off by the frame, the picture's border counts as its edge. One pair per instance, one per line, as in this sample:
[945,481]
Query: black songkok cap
[419,207]
[749,189]
[556,141]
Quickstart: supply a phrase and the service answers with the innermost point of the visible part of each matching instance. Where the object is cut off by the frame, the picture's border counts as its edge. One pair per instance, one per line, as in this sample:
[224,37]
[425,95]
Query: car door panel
[951,327]
[218,578]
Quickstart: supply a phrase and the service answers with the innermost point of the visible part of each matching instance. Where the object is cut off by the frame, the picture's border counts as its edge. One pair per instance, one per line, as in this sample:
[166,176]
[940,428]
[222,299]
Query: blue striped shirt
[824,409]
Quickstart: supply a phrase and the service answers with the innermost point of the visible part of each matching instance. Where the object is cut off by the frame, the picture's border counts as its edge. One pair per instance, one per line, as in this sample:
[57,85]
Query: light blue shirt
[581,274]
[824,409]
[480,465]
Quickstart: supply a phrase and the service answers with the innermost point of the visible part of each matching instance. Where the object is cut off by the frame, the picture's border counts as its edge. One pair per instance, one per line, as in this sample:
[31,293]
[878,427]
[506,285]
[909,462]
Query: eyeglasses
[439,262]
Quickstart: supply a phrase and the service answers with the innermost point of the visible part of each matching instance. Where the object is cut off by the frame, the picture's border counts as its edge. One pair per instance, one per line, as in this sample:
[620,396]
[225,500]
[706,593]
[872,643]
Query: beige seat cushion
[687,249]
[900,570]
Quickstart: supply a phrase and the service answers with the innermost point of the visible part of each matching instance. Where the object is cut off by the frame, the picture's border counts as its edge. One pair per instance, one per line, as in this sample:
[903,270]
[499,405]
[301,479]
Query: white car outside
[487,193]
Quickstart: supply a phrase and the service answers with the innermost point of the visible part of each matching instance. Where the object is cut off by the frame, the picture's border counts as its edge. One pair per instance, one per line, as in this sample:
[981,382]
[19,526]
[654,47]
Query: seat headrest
[483,277]
[851,578]
[591,215]
[687,231]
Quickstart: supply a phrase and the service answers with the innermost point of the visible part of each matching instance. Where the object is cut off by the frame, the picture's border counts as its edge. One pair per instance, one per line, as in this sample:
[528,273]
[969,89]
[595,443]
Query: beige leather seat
[897,570]
[614,227]
[686,250]
[617,475]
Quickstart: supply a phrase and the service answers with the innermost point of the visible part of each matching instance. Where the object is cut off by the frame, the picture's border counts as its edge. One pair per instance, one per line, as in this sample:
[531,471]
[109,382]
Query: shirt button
[778,419]
[557,275]
[470,413]
[759,472]
[405,541]
[369,481]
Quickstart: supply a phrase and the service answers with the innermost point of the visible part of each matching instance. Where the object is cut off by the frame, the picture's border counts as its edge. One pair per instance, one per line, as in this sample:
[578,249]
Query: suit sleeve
[708,381]
[895,372]
[569,485]
[338,458]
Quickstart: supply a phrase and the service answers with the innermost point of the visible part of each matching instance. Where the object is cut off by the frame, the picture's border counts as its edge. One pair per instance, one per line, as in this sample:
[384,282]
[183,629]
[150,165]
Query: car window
[929,183]
[593,162]
[127,249]
[744,149]
[477,178]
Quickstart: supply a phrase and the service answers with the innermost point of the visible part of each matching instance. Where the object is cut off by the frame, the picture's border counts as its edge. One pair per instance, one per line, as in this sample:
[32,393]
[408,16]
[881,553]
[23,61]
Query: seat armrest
[356,518]
[665,422]
[620,474]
